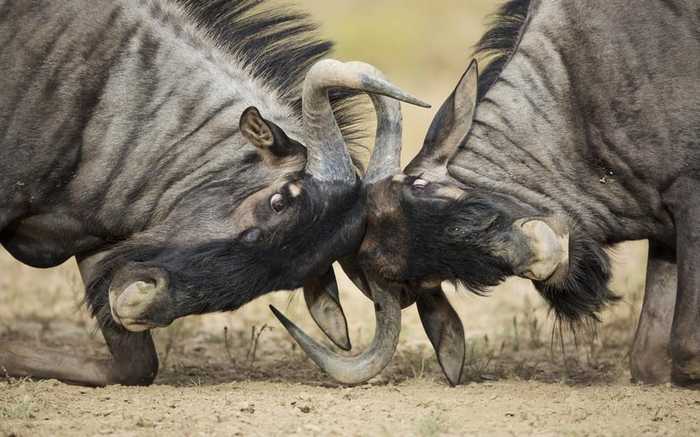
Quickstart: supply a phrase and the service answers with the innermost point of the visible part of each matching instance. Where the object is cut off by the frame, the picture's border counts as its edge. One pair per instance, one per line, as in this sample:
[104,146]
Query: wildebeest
[583,131]
[185,152]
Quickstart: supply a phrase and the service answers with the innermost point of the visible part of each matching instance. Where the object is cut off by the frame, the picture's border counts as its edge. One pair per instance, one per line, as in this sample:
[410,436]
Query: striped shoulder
[277,45]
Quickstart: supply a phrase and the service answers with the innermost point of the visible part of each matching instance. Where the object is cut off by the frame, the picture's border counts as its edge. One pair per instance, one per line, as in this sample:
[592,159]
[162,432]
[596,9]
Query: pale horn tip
[288,324]
[420,103]
[408,98]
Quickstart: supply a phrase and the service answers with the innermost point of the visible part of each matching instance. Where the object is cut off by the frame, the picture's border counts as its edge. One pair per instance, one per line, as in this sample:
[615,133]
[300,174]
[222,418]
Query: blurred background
[424,48]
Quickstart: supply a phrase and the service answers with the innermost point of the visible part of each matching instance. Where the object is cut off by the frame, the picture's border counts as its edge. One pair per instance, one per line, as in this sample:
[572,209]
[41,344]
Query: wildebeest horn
[360,368]
[323,302]
[440,321]
[444,329]
[386,155]
[327,157]
[321,295]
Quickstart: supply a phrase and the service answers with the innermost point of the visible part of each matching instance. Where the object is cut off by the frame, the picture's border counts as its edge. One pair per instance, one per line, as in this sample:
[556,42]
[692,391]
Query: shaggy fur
[585,291]
[500,41]
[251,269]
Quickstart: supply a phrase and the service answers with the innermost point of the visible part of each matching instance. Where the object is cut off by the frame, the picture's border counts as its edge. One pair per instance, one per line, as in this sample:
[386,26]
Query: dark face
[225,244]
[421,232]
[294,234]
[424,226]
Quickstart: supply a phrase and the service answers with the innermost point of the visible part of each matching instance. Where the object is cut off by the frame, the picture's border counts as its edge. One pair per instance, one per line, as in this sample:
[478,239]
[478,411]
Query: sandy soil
[221,375]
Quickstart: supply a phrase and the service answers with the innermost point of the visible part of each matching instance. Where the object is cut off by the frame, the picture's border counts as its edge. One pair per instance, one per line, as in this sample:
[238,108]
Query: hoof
[686,359]
[651,367]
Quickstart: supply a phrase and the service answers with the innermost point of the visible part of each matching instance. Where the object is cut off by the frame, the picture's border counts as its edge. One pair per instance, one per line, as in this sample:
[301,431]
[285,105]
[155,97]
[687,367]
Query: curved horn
[323,302]
[321,295]
[445,331]
[386,154]
[360,368]
[327,157]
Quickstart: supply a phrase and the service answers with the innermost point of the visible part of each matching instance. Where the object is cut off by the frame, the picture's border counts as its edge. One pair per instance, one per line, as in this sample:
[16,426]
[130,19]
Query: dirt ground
[240,373]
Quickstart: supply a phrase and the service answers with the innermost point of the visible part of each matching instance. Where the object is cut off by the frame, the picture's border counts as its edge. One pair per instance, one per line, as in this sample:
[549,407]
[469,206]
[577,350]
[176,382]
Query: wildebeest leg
[20,360]
[650,360]
[133,362]
[683,198]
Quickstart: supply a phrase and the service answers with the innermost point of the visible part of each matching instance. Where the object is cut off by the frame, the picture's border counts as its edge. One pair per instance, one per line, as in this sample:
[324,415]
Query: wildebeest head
[234,240]
[424,227]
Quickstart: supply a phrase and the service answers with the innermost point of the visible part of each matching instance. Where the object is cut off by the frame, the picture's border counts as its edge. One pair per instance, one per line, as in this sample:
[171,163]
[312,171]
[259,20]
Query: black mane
[278,46]
[500,41]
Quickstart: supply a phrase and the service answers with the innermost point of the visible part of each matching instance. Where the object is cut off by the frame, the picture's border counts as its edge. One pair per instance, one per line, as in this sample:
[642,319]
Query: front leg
[133,362]
[683,199]
[650,360]
[133,358]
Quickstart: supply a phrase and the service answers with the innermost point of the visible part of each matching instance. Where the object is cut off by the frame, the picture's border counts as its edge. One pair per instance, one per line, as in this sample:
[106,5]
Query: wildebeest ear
[323,301]
[547,248]
[449,127]
[445,331]
[266,135]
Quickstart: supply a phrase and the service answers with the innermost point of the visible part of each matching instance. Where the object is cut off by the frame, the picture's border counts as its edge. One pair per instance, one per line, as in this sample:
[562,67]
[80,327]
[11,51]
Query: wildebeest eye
[278,202]
[419,184]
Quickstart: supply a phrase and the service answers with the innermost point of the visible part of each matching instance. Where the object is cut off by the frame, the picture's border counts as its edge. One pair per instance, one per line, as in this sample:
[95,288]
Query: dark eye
[278,202]
[419,185]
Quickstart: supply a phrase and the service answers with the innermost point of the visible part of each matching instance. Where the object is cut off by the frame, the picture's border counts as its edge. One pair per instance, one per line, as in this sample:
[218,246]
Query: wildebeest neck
[151,116]
[175,130]
[549,133]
